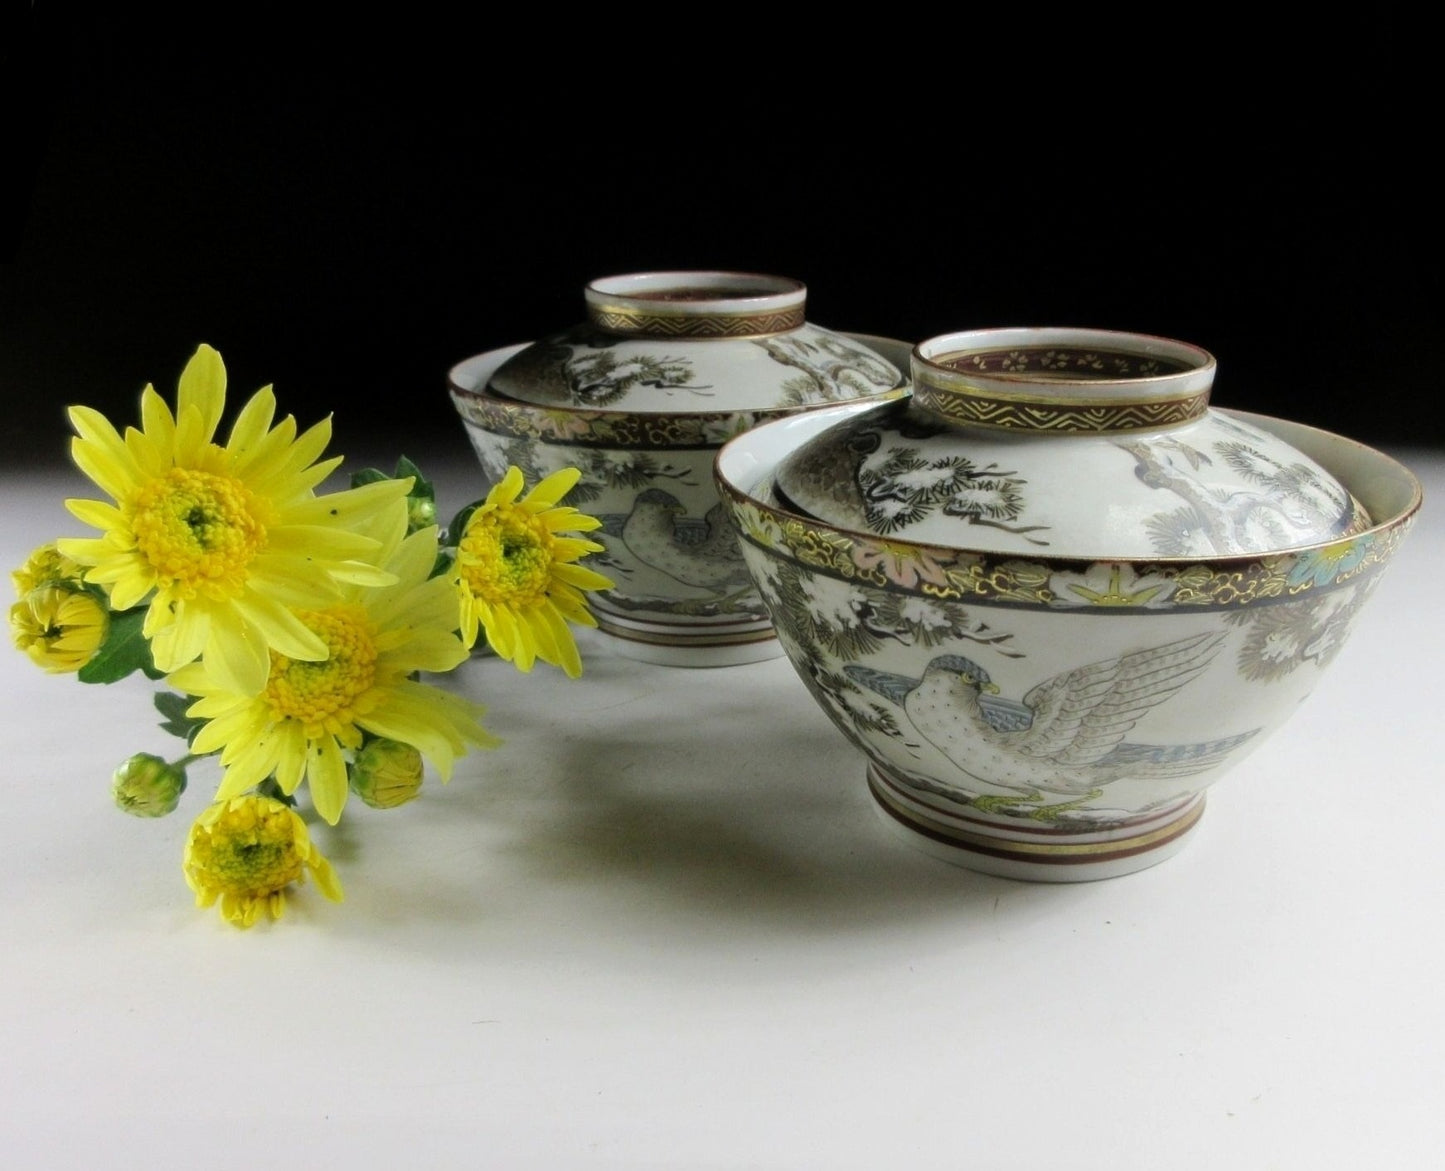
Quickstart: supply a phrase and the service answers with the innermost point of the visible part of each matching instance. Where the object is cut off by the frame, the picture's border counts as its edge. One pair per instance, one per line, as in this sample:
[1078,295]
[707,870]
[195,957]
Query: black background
[348,213]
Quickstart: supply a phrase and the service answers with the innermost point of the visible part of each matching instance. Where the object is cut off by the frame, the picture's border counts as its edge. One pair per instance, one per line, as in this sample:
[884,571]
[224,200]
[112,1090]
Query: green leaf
[124,650]
[442,564]
[269,788]
[458,526]
[421,486]
[367,476]
[173,705]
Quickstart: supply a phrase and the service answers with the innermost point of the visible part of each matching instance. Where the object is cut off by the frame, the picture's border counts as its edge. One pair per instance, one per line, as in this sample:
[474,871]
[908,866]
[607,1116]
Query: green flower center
[199,531]
[330,694]
[506,558]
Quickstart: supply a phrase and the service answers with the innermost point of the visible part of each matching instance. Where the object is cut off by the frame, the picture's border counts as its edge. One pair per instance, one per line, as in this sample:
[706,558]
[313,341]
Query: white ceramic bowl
[641,397]
[1042,716]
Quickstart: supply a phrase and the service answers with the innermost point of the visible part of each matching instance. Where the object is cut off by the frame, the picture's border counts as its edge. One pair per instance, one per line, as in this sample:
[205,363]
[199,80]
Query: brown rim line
[1075,849]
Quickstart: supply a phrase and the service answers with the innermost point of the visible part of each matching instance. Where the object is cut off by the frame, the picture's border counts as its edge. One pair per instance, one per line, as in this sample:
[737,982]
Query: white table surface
[663,927]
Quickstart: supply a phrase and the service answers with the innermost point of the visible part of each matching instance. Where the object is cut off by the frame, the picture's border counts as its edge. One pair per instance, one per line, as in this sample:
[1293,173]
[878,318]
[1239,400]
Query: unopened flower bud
[147,786]
[386,773]
[59,627]
[421,512]
[46,565]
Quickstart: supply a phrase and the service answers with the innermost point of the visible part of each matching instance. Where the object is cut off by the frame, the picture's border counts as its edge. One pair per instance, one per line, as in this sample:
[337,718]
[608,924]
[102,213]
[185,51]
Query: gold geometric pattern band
[1093,418]
[654,323]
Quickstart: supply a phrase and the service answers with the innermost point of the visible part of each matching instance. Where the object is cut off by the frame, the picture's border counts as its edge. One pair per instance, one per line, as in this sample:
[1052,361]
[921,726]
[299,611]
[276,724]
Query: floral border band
[692,324]
[614,429]
[599,428]
[1112,586]
[961,405]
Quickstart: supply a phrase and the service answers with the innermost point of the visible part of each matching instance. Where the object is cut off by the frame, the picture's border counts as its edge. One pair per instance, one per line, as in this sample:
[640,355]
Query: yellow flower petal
[305,450]
[112,473]
[180,641]
[203,388]
[96,513]
[148,456]
[326,778]
[249,431]
[582,578]
[350,508]
[279,628]
[247,768]
[157,422]
[549,490]
[292,753]
[236,652]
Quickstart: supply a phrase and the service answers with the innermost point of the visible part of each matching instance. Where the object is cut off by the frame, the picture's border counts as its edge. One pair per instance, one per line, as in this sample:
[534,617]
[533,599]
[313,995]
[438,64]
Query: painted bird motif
[701,553]
[1067,735]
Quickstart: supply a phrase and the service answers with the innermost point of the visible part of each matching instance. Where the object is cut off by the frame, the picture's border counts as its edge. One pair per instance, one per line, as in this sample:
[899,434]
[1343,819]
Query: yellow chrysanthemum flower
[59,628]
[224,541]
[517,572]
[246,852]
[309,713]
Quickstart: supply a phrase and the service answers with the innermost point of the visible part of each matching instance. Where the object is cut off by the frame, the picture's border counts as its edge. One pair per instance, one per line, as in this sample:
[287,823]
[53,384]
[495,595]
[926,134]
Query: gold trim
[1063,386]
[689,323]
[1055,853]
[977,409]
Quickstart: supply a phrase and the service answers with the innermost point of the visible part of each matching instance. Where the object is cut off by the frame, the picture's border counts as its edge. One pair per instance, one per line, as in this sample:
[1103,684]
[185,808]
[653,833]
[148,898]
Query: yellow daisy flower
[517,572]
[246,851]
[309,714]
[223,541]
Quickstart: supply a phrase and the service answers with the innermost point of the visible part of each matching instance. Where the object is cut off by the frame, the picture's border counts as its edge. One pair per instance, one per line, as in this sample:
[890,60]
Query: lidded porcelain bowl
[640,396]
[1054,595]
[1090,443]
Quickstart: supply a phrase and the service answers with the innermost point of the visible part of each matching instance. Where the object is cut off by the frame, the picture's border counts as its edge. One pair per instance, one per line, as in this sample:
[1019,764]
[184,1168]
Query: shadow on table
[750,809]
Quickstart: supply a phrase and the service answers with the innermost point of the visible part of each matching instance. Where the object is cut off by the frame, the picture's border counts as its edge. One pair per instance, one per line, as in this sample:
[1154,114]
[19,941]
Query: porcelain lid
[670,342]
[1072,442]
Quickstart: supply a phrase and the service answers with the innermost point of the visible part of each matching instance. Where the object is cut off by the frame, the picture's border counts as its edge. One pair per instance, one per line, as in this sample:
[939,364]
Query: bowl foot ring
[1034,854]
[678,642]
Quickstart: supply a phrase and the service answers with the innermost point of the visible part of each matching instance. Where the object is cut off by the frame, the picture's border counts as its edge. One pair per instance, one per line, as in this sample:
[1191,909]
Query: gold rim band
[684,323]
[977,409]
